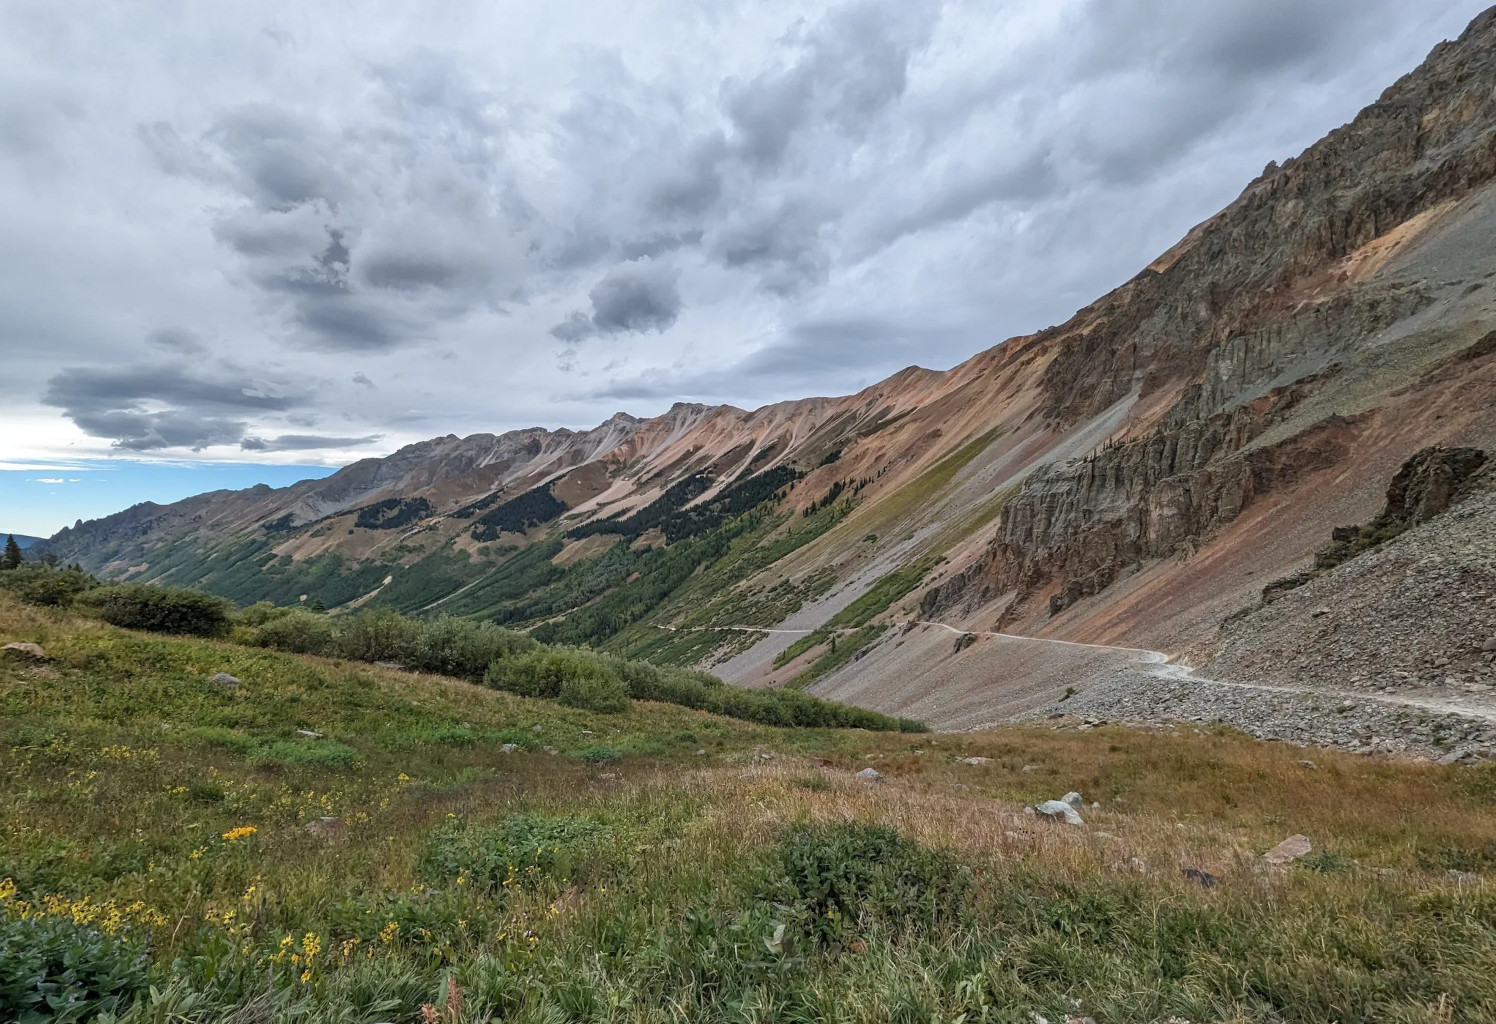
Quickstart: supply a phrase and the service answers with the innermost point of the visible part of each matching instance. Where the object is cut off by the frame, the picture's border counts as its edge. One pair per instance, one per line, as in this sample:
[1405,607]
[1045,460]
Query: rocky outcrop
[1083,524]
[1254,298]
[1427,140]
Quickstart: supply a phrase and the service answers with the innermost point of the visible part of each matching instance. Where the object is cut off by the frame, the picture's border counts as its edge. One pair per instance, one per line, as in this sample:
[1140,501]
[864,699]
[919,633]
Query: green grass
[658,867]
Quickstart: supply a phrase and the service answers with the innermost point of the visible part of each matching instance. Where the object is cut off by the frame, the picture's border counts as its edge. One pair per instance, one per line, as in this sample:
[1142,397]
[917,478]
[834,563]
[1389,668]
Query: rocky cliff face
[1246,318]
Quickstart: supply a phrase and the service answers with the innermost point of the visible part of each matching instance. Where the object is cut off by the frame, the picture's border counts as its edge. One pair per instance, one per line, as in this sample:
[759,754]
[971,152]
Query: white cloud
[281,212]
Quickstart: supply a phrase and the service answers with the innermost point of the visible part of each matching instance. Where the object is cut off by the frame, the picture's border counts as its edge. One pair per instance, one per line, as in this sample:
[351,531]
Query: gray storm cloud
[634,297]
[746,202]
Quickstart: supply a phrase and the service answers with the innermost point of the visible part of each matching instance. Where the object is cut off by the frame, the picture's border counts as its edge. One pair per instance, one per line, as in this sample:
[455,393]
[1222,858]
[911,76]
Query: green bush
[160,609]
[54,970]
[296,632]
[462,648]
[596,691]
[529,850]
[537,673]
[260,613]
[841,878]
[44,585]
[377,635]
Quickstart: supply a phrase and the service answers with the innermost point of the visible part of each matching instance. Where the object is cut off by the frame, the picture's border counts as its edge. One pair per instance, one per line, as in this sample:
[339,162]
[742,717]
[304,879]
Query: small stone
[535,729]
[224,680]
[1059,810]
[1462,877]
[870,775]
[1489,645]
[309,734]
[509,748]
[1292,848]
[1320,613]
[326,828]
[25,650]
[608,775]
[767,757]
[586,732]
[976,762]
[960,787]
[1454,756]
[549,750]
[1029,768]
[700,752]
[1074,800]
[1309,765]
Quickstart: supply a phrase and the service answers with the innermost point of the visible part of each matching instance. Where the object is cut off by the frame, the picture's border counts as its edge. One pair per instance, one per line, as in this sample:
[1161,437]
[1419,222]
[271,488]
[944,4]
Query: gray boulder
[1059,810]
[870,775]
[224,680]
[33,652]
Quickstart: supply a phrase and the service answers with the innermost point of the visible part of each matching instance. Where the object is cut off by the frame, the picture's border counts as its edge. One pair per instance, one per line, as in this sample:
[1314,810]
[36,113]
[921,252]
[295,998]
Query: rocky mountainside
[1131,477]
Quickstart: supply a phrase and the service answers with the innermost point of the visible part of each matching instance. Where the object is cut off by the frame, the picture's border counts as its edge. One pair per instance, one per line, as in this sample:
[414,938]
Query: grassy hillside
[189,852]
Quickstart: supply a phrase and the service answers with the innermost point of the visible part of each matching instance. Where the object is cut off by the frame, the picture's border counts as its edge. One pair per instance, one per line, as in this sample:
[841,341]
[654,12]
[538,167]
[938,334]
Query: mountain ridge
[1126,475]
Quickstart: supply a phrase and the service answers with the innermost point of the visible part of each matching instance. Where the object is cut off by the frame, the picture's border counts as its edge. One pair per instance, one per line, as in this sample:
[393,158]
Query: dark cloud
[147,408]
[304,442]
[634,297]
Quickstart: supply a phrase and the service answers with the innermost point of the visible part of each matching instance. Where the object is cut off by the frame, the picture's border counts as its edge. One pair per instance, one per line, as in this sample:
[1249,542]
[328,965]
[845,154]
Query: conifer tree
[12,557]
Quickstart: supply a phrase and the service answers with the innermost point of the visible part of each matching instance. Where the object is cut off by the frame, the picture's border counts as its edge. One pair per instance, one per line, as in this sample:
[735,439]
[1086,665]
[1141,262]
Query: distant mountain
[21,539]
[1132,476]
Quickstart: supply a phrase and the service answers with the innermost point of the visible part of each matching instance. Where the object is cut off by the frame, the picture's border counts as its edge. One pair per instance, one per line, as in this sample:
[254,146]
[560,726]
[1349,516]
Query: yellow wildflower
[235,834]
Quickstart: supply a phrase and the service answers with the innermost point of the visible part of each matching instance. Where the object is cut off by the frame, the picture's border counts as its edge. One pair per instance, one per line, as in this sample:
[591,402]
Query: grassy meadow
[331,840]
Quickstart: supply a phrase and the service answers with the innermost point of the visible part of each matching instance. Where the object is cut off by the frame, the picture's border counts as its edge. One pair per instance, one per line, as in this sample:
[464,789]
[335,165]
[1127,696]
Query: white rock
[1292,848]
[870,775]
[509,748]
[25,650]
[1059,810]
[976,762]
[1074,800]
[225,680]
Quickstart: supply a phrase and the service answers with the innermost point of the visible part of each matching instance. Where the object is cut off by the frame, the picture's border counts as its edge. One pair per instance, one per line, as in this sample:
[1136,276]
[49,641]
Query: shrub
[54,970]
[530,850]
[44,585]
[595,691]
[537,673]
[297,632]
[377,635]
[161,609]
[260,613]
[465,649]
[836,877]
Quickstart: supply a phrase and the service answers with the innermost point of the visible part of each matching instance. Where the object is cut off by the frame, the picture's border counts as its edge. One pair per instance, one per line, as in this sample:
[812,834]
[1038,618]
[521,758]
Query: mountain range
[1133,478]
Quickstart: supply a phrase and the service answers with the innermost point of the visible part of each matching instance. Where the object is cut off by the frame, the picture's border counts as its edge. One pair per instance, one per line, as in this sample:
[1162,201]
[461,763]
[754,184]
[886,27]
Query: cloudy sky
[298,233]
